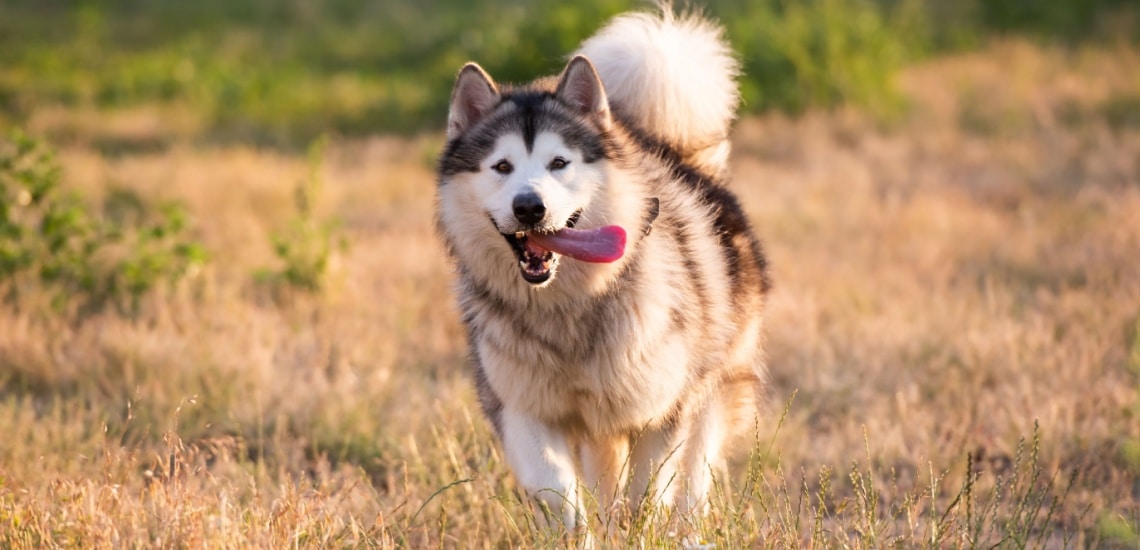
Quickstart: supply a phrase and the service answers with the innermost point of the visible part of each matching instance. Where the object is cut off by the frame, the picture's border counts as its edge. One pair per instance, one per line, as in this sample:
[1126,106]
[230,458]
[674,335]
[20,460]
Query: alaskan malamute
[610,283]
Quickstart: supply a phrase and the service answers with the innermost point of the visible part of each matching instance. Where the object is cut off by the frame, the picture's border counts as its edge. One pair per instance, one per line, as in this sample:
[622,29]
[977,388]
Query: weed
[1122,111]
[51,241]
[305,245]
[1118,531]
[1021,508]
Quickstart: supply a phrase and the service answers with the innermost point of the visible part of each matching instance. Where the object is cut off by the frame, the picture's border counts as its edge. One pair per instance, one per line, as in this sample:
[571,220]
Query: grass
[955,314]
[284,73]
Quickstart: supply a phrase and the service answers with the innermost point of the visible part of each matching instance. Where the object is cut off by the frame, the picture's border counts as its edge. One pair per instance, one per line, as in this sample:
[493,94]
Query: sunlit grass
[955,313]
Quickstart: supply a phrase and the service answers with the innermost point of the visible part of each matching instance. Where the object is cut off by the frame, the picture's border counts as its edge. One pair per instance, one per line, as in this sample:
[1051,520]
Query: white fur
[605,464]
[540,457]
[674,75]
[614,387]
[563,191]
[623,408]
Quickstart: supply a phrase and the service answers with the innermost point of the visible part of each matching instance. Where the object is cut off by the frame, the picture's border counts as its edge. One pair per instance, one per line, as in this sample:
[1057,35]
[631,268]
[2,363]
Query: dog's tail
[674,77]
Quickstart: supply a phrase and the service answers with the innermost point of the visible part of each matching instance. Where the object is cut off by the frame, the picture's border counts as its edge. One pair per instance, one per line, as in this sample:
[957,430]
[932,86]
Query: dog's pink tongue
[601,245]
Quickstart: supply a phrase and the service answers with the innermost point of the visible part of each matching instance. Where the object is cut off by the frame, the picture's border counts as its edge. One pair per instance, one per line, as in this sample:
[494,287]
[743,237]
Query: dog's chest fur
[620,360]
[589,368]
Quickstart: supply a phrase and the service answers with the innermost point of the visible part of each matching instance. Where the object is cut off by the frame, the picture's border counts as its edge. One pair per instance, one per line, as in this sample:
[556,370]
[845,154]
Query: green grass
[284,73]
[52,243]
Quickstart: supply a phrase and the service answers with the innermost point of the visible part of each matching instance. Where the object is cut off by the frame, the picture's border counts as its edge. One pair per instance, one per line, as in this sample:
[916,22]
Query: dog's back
[672,81]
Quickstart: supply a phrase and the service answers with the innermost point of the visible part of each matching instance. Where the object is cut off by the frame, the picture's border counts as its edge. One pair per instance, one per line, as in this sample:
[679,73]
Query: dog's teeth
[519,234]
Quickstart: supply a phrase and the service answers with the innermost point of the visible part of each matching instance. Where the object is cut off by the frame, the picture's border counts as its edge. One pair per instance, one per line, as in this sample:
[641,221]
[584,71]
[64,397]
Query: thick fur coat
[626,378]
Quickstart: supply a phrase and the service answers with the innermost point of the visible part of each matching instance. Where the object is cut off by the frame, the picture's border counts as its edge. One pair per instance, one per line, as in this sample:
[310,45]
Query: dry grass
[943,284]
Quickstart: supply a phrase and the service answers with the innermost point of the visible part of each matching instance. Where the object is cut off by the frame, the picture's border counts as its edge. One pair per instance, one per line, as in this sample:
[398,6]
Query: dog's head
[528,164]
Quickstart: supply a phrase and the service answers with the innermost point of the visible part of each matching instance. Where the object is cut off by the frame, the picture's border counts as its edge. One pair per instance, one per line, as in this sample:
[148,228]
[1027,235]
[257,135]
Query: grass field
[953,339]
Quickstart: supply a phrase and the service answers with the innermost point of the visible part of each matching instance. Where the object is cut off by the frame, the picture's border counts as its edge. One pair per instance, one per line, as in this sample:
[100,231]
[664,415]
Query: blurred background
[226,320]
[283,72]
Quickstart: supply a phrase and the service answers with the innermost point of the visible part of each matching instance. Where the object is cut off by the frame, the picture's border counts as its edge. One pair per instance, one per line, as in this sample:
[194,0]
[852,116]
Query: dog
[611,286]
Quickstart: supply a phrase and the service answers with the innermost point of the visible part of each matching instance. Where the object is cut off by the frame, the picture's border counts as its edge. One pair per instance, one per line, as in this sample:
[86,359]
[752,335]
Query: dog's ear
[474,96]
[581,88]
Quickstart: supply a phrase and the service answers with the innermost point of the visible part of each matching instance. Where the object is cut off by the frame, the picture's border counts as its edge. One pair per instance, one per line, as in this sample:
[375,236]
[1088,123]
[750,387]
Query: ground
[949,282]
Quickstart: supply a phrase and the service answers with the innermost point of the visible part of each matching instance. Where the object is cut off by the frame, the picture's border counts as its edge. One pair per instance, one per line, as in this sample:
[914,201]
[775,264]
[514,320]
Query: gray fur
[665,341]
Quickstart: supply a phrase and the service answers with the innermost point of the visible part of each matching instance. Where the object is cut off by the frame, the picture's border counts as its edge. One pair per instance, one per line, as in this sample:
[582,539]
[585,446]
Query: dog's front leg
[540,457]
[605,462]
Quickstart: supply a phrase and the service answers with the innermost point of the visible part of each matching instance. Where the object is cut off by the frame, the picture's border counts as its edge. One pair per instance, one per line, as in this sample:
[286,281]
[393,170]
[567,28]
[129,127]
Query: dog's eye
[558,163]
[503,167]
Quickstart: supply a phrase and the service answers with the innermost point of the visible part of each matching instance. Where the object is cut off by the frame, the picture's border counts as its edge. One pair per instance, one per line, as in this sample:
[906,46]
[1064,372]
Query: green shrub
[285,72]
[305,246]
[822,53]
[52,244]
[275,73]
[1068,20]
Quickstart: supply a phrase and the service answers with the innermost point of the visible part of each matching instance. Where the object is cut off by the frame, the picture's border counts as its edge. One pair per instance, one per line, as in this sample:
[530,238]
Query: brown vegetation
[943,283]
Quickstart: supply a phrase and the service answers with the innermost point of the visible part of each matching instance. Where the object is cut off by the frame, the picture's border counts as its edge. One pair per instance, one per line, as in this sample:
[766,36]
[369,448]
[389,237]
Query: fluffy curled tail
[674,77]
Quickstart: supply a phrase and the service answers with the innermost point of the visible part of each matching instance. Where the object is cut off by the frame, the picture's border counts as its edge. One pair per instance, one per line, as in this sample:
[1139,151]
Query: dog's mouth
[536,262]
[538,251]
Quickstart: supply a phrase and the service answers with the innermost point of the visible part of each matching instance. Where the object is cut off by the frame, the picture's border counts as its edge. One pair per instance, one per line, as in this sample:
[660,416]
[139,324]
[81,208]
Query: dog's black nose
[529,209]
